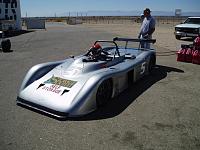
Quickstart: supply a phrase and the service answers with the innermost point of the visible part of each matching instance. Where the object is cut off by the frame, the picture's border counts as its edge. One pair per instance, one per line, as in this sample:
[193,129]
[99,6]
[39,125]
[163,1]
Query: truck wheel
[104,93]
[178,37]
[6,45]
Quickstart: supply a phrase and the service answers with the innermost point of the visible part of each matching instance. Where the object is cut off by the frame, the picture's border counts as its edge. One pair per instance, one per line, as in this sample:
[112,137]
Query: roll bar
[134,40]
[125,40]
[106,41]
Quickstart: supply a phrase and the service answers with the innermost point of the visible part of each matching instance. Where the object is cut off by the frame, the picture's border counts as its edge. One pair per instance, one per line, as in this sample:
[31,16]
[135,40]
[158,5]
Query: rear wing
[134,40]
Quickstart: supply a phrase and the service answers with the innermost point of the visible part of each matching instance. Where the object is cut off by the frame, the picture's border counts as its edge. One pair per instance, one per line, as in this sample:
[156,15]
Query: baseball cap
[147,10]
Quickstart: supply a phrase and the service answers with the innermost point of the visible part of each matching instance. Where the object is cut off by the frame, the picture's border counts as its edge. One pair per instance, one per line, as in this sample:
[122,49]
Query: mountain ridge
[125,13]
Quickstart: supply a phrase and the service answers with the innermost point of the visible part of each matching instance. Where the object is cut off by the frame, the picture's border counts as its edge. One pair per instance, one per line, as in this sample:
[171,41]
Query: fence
[118,19]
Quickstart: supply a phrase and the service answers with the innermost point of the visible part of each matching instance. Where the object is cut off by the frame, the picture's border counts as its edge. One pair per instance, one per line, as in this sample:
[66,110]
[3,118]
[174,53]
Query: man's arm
[152,26]
[151,31]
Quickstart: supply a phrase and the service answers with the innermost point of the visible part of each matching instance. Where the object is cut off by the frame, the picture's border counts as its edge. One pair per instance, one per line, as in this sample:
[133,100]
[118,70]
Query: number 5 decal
[143,68]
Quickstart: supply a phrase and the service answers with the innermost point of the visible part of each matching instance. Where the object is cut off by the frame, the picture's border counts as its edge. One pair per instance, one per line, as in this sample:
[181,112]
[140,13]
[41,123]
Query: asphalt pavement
[161,111]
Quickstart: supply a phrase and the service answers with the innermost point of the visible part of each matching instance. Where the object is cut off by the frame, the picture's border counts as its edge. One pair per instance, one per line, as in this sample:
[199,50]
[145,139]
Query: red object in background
[196,57]
[197,43]
[188,55]
[196,53]
[181,54]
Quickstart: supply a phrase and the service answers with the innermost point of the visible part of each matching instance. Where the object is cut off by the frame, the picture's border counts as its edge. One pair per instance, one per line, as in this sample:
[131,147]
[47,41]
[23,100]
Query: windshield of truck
[193,21]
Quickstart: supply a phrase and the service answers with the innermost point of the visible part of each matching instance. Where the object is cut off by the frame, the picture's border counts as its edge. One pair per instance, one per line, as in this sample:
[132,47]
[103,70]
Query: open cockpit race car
[81,84]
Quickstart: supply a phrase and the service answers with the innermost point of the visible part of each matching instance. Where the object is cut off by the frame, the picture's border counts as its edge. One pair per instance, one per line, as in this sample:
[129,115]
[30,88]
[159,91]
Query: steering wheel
[105,52]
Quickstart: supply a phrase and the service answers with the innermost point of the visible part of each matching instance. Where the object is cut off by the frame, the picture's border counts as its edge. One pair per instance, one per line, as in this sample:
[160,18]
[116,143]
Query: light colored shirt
[147,24]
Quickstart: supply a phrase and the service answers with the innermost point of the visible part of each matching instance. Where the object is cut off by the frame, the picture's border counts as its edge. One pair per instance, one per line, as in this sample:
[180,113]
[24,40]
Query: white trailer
[35,23]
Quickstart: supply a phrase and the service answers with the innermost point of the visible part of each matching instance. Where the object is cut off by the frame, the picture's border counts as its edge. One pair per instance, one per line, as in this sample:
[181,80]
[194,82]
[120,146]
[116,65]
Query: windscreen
[193,21]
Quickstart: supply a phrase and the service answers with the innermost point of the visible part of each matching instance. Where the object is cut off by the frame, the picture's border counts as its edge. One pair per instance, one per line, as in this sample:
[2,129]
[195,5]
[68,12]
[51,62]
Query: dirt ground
[160,112]
[164,33]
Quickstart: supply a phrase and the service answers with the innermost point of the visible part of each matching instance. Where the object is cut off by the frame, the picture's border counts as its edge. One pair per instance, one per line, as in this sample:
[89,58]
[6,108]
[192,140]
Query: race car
[81,84]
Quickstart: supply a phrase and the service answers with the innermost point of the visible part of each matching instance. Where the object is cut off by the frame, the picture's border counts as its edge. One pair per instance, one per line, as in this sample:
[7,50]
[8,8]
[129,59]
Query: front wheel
[104,93]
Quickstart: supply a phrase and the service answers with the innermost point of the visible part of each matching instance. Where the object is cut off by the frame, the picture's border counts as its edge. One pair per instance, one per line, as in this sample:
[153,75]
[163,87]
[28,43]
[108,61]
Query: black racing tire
[6,45]
[178,37]
[152,63]
[104,93]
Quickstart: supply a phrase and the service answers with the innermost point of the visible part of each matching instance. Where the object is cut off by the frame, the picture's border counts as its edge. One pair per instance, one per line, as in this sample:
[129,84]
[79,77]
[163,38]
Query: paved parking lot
[161,111]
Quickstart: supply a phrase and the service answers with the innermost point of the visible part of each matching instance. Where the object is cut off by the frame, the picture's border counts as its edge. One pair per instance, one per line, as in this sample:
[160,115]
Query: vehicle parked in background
[5,43]
[190,28]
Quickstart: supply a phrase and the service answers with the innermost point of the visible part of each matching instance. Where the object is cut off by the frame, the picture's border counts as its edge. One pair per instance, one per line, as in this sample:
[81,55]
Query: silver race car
[81,84]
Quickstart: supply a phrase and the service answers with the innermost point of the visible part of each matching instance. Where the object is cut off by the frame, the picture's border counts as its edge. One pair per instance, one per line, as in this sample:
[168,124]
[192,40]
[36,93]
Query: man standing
[147,28]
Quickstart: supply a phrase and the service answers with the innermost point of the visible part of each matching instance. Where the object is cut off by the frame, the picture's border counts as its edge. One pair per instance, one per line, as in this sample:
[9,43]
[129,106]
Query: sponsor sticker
[61,82]
[53,88]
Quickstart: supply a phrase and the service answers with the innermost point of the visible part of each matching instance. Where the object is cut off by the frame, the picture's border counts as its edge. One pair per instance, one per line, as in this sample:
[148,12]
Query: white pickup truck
[190,28]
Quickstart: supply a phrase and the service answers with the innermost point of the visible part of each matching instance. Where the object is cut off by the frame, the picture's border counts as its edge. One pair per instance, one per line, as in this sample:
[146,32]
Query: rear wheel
[152,63]
[104,93]
[6,45]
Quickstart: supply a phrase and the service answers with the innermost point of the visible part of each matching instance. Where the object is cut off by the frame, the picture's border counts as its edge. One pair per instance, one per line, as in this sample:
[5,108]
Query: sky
[42,8]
